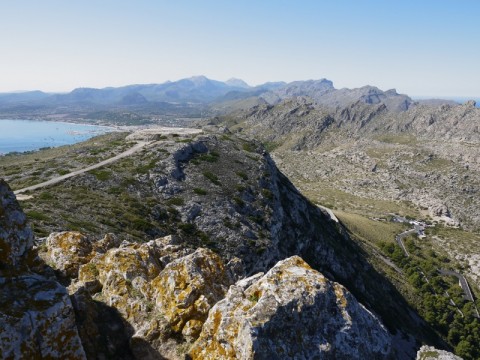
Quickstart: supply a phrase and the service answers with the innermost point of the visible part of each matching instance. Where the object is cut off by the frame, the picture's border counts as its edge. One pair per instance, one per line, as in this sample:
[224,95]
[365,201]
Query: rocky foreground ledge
[37,319]
[160,299]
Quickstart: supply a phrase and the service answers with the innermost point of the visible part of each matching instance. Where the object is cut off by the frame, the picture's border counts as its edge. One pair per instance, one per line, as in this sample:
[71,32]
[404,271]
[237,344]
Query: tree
[465,350]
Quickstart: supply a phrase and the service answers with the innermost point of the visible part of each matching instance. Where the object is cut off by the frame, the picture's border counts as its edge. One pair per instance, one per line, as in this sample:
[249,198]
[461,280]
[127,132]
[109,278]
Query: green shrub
[212,177]
[176,201]
[36,215]
[187,228]
[267,194]
[101,175]
[248,147]
[46,196]
[200,191]
[238,201]
[210,157]
[241,188]
[242,175]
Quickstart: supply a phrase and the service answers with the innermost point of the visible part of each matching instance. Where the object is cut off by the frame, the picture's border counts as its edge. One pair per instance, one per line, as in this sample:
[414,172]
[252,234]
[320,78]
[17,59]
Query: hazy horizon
[419,48]
[415,97]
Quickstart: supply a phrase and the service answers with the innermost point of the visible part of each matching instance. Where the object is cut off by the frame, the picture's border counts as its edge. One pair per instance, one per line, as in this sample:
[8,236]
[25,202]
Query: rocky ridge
[217,192]
[428,155]
[164,292]
[288,313]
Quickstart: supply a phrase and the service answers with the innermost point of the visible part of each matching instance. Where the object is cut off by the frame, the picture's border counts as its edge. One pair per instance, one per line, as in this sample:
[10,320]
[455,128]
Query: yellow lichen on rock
[158,287]
[292,310]
[188,287]
[67,251]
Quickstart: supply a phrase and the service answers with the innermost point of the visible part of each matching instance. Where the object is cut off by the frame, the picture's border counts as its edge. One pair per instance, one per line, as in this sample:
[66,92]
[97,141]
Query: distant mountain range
[201,90]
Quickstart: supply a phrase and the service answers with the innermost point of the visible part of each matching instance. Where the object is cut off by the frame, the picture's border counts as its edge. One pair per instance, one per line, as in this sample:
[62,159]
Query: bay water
[28,135]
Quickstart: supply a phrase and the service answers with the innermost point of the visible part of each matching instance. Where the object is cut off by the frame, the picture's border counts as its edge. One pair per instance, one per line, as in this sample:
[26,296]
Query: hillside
[426,155]
[218,192]
[368,163]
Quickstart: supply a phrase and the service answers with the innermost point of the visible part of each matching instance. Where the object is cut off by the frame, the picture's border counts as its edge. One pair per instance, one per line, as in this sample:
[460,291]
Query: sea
[30,135]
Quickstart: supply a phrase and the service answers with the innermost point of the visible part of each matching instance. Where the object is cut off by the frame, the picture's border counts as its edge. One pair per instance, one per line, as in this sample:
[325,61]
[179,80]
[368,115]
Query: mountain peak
[237,83]
[199,79]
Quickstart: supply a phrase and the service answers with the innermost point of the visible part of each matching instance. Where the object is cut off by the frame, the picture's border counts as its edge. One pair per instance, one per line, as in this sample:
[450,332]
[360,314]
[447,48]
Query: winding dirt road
[19,193]
[143,139]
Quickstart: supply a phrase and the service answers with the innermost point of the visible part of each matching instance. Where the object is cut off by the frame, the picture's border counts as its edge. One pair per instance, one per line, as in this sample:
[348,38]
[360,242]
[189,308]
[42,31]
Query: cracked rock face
[162,290]
[292,310]
[36,315]
[68,250]
[37,320]
[16,238]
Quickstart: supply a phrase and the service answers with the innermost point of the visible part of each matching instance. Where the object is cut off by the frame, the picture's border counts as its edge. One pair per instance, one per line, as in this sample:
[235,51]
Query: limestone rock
[188,287]
[37,320]
[161,289]
[36,315]
[108,242]
[16,238]
[67,251]
[430,353]
[292,311]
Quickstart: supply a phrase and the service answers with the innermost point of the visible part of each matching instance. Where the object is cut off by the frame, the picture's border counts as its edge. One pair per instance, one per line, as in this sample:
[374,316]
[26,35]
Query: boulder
[188,287]
[67,251]
[37,320]
[161,289]
[430,353]
[292,311]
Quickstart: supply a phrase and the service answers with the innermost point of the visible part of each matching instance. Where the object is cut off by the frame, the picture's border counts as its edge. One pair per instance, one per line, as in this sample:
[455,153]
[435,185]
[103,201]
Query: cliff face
[16,238]
[35,312]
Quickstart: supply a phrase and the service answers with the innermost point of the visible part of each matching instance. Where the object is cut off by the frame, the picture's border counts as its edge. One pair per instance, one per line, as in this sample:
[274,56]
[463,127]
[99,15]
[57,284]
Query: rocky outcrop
[188,287]
[67,251]
[36,315]
[16,238]
[430,353]
[162,290]
[37,319]
[292,311]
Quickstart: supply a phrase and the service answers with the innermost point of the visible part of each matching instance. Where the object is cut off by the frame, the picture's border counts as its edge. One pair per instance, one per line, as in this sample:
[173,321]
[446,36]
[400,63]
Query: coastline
[55,139]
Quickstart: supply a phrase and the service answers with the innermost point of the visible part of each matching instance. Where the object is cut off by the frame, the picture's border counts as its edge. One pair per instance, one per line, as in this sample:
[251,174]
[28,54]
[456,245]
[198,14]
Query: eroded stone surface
[163,290]
[188,287]
[37,320]
[16,237]
[67,251]
[36,316]
[430,353]
[292,311]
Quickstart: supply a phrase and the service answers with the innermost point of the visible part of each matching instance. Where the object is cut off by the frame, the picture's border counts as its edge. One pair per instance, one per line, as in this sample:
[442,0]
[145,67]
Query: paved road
[58,179]
[462,280]
[399,240]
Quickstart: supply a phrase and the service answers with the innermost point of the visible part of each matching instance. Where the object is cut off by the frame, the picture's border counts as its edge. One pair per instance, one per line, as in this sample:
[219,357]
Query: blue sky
[422,47]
